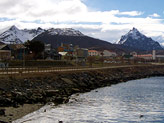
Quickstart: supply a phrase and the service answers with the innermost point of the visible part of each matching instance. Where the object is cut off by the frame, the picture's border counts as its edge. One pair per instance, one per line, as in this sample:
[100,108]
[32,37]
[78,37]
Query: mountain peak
[39,28]
[134,32]
[13,28]
[137,40]
[135,29]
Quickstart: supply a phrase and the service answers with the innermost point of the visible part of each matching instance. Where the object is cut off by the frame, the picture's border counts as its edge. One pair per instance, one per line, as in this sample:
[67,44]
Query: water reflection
[138,101]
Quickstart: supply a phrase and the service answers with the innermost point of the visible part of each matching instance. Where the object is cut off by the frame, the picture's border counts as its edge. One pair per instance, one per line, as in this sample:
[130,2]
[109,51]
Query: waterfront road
[11,71]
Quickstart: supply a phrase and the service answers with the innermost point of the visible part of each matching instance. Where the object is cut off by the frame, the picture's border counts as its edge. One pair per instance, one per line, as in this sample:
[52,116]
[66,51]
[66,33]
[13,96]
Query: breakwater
[57,87]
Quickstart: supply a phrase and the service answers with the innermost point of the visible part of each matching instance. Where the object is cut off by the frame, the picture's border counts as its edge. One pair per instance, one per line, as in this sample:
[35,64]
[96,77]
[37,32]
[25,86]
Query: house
[93,53]
[153,56]
[133,53]
[5,52]
[18,51]
[109,54]
[81,54]
[66,48]
[144,56]
[158,56]
[50,54]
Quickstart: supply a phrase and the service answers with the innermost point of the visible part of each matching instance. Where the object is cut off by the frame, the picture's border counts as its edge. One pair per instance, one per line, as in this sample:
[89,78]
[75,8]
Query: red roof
[144,55]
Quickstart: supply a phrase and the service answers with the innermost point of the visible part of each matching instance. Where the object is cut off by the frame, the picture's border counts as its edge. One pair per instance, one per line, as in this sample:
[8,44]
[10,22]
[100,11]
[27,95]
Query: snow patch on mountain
[65,32]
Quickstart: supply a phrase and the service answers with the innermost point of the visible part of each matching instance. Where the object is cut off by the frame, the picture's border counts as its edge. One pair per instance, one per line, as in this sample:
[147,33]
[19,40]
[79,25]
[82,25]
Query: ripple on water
[135,101]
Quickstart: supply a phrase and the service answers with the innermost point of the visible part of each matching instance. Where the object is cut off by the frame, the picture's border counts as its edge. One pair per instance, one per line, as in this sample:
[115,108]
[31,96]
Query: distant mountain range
[17,36]
[132,41]
[136,40]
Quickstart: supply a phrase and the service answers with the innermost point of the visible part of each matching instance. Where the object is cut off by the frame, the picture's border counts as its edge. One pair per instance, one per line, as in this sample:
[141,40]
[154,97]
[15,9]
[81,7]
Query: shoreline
[29,93]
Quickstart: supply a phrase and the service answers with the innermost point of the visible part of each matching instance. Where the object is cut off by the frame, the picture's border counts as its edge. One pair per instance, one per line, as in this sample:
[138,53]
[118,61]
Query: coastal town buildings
[93,53]
[5,52]
[109,54]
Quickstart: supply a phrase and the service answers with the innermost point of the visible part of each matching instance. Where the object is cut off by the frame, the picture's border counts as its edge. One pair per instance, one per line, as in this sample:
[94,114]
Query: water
[137,101]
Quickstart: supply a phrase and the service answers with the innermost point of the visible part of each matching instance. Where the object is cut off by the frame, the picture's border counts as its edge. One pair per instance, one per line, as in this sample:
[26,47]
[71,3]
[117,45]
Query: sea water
[137,101]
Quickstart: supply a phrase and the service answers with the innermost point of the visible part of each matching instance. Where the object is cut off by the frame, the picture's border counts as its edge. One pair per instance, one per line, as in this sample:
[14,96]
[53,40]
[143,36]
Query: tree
[36,47]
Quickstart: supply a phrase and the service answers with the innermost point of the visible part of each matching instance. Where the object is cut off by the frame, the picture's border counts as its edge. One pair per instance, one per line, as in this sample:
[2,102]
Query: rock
[59,100]
[2,121]
[51,93]
[141,116]
[2,112]
[16,93]
[67,80]
[65,100]
[5,101]
[10,114]
[75,90]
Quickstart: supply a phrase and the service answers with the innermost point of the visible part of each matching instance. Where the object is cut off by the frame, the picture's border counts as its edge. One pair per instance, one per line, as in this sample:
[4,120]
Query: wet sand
[12,113]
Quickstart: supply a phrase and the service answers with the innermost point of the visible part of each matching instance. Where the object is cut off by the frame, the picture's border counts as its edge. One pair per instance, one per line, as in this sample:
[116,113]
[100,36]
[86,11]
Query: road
[11,71]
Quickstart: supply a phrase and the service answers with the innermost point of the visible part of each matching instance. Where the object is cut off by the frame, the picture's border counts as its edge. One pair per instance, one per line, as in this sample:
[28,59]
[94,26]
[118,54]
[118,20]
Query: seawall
[57,87]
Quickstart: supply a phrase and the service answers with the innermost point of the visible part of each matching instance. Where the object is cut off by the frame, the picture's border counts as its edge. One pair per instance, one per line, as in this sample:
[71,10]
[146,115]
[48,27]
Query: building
[144,56]
[66,48]
[154,56]
[133,53]
[93,53]
[109,54]
[5,52]
[158,56]
[81,54]
[18,51]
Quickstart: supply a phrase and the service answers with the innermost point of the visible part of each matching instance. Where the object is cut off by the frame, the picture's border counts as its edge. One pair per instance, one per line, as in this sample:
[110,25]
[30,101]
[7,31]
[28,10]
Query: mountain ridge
[56,36]
[17,36]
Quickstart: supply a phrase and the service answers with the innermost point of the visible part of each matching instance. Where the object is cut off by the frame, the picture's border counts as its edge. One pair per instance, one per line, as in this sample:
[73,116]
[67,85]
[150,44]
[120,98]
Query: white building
[93,53]
[108,54]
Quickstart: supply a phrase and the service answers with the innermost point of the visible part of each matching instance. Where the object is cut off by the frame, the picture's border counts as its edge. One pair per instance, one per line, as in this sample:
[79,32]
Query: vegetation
[36,48]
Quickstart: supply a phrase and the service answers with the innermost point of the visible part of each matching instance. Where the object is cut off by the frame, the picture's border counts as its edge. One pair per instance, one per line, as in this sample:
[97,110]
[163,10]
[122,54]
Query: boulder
[50,93]
[67,80]
[2,112]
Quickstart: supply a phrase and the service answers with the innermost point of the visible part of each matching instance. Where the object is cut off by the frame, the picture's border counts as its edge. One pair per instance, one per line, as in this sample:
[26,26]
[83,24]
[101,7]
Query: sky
[103,19]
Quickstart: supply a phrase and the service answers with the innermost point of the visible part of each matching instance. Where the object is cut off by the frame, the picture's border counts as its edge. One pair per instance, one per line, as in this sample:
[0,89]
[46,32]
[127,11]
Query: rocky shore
[33,91]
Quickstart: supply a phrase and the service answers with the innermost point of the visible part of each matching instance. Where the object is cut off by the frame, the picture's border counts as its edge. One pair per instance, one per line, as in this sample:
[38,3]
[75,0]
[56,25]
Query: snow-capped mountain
[17,36]
[135,39]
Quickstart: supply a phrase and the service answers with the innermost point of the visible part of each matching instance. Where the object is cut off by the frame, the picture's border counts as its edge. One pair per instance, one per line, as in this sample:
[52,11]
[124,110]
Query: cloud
[154,15]
[107,25]
[56,10]
[132,13]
